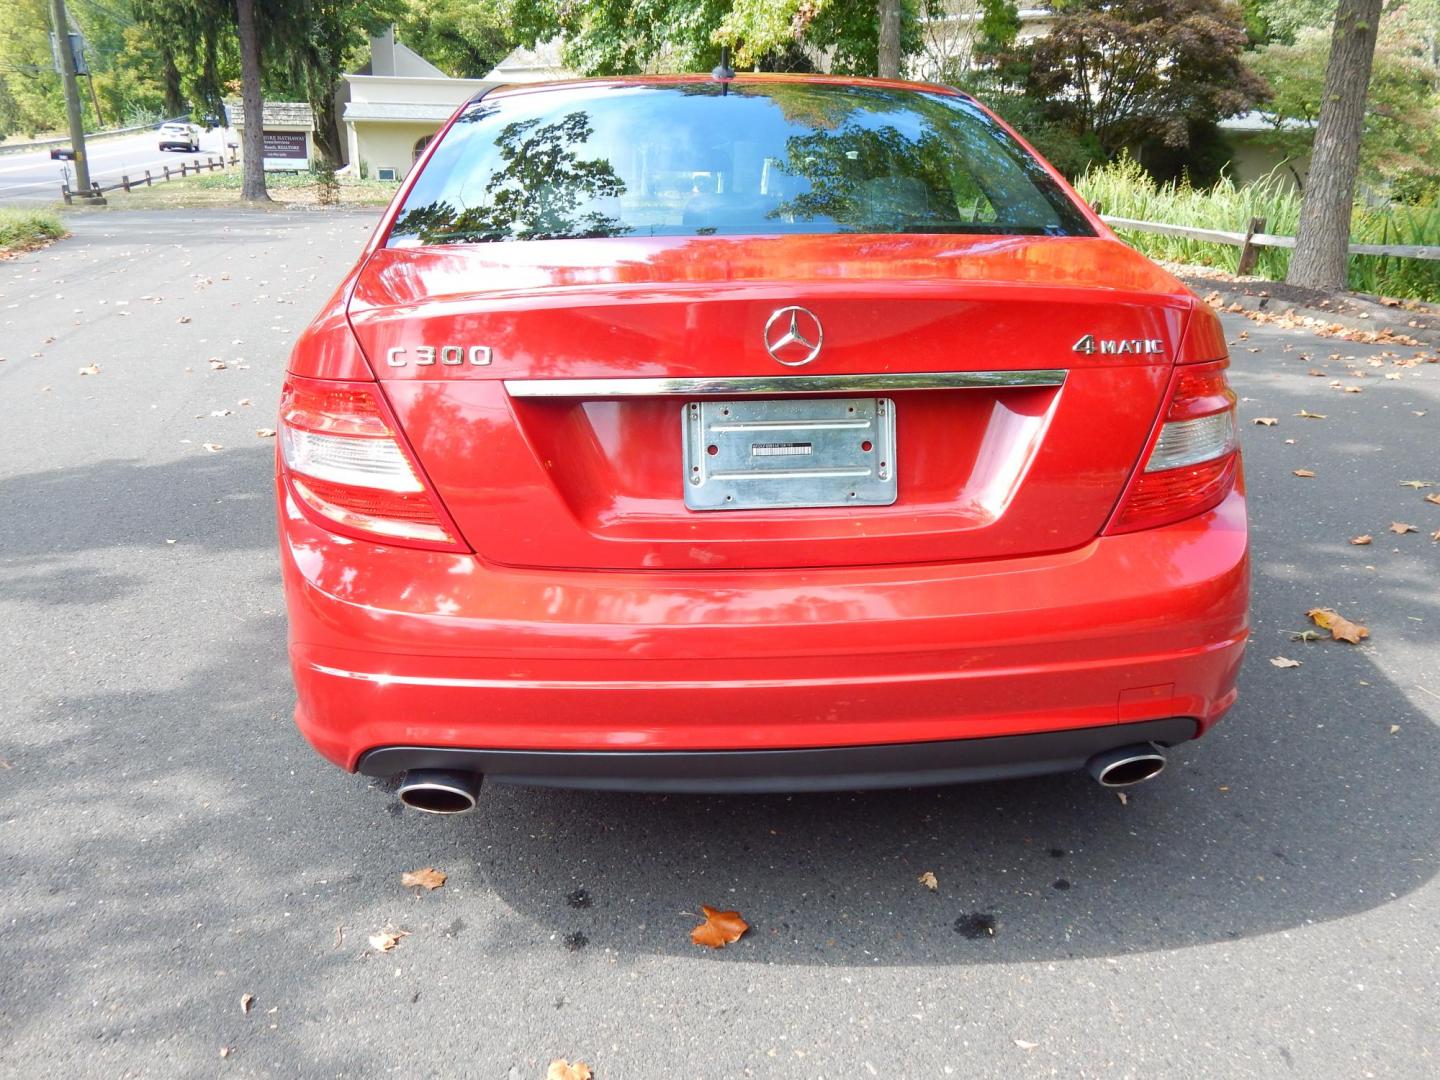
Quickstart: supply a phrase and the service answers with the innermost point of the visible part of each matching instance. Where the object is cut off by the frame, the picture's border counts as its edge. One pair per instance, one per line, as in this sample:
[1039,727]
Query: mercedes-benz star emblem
[793,336]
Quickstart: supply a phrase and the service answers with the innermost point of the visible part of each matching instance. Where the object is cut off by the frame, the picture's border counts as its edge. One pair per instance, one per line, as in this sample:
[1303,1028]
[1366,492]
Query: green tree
[611,37]
[463,38]
[1401,133]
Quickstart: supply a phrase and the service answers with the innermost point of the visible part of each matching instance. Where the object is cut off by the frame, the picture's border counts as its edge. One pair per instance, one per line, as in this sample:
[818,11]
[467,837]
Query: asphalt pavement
[187,890]
[33,178]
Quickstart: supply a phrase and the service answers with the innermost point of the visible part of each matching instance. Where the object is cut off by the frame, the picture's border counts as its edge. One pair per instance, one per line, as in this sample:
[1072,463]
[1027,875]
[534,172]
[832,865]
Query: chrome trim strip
[782,384]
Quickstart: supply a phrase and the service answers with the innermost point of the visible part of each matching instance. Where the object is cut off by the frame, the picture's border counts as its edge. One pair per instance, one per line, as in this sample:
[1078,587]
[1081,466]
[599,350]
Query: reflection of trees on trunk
[540,191]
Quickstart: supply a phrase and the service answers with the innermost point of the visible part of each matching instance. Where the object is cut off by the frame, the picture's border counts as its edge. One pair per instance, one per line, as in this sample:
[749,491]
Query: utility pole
[61,23]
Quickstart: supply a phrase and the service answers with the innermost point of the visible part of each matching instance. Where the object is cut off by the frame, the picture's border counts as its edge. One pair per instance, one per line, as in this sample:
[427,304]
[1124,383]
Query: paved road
[168,844]
[34,178]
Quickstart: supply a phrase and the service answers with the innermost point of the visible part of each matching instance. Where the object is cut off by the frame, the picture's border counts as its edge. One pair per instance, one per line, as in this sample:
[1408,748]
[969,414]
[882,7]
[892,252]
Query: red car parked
[754,433]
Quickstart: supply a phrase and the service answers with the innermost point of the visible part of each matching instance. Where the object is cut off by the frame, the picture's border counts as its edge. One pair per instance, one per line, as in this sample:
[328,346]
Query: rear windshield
[757,159]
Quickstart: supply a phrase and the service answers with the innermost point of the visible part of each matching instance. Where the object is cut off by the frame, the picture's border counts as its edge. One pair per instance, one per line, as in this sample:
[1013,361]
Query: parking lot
[169,845]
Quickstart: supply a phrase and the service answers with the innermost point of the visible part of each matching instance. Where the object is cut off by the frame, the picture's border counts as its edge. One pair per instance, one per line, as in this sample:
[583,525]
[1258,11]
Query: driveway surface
[33,178]
[168,845]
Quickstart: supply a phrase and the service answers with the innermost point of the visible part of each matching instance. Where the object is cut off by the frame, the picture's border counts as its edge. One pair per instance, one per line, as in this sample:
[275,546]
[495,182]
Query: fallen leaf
[1267,421]
[387,939]
[244,401]
[1394,728]
[719,929]
[929,880]
[1341,628]
[1351,389]
[1304,472]
[1400,528]
[1360,541]
[264,432]
[220,412]
[1417,484]
[1124,799]
[213,447]
[183,319]
[1308,415]
[224,1051]
[90,369]
[1284,662]
[1303,635]
[560,1069]
[246,1000]
[429,878]
[217,365]
[1435,536]
[1023,1045]
[1433,497]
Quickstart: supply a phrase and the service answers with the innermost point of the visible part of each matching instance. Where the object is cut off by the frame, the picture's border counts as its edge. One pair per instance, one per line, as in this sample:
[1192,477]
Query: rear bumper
[830,768]
[431,651]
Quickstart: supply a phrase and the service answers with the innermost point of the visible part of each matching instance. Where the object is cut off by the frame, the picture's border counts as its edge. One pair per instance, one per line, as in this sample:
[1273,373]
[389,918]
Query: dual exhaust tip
[446,791]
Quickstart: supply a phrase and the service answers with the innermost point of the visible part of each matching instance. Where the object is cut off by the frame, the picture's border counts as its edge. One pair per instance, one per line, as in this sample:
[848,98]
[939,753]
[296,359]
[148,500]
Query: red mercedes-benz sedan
[750,434]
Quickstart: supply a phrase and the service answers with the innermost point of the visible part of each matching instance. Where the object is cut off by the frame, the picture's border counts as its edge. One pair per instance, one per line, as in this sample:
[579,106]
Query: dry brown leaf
[428,878]
[183,319]
[264,432]
[1284,662]
[1394,728]
[929,880]
[1416,484]
[246,1000]
[1024,1045]
[387,939]
[1308,415]
[1267,421]
[1351,389]
[719,929]
[244,401]
[1433,497]
[1305,472]
[1361,540]
[1400,528]
[217,365]
[1124,799]
[1435,536]
[90,369]
[560,1069]
[213,447]
[1341,628]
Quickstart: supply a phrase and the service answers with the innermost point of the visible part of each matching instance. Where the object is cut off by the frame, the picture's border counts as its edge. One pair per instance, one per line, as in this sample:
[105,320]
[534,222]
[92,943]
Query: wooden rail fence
[1255,237]
[127,183]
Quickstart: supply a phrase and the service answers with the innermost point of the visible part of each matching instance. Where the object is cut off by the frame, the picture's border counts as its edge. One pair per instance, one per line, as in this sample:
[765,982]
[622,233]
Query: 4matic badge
[1090,344]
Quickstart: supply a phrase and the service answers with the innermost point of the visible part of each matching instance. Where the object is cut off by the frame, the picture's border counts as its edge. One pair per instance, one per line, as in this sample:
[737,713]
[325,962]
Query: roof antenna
[723,71]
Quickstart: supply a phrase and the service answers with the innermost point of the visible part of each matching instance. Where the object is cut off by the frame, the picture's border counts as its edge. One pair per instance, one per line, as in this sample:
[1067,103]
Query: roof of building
[1257,120]
[388,110]
[541,64]
[275,114]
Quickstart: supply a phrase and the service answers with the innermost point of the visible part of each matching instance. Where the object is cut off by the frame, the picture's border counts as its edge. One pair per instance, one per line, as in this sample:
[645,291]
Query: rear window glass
[759,159]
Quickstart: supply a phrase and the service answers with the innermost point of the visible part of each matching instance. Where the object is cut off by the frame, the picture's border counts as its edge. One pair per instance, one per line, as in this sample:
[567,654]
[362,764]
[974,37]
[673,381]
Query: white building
[395,105]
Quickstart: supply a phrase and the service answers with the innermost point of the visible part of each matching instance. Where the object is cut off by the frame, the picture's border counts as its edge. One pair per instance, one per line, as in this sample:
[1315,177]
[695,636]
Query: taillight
[347,467]
[1191,465]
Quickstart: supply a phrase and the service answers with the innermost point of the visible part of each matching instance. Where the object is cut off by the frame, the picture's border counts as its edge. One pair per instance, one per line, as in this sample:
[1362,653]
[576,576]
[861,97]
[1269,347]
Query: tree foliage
[1401,141]
[1126,71]
[463,38]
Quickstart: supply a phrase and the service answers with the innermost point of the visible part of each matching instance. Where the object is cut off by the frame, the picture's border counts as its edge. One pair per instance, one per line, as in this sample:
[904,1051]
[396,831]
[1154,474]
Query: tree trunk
[252,186]
[889,53]
[174,98]
[327,128]
[1321,252]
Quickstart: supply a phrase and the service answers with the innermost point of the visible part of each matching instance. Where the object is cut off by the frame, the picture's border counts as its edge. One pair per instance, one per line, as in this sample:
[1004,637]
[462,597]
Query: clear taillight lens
[348,469]
[1192,465]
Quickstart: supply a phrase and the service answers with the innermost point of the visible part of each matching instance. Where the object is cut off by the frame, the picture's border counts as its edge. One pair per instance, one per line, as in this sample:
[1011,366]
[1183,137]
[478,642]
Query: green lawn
[223,189]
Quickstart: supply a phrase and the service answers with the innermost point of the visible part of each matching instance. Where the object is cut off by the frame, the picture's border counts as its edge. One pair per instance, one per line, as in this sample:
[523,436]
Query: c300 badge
[449,355]
[1090,344]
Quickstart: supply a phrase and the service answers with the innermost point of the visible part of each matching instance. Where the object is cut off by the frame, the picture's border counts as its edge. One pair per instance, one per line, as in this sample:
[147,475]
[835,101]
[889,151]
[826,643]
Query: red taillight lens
[347,467]
[1192,463]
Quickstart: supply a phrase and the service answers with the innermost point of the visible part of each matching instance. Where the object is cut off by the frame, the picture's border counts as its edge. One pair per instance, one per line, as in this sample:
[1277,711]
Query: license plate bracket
[789,453]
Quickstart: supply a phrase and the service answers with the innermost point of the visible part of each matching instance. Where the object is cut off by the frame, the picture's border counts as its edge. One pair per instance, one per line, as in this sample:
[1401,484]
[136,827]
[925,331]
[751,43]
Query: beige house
[395,105]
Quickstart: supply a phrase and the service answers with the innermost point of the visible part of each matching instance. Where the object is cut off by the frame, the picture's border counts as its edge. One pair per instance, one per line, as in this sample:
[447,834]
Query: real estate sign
[286,151]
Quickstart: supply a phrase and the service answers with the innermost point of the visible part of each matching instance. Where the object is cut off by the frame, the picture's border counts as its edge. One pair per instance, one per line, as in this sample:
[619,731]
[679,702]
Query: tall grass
[26,228]
[1124,189]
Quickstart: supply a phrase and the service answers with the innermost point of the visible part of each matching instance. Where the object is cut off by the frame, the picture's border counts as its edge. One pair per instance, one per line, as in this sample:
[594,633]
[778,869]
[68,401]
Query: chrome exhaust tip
[440,791]
[1127,766]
